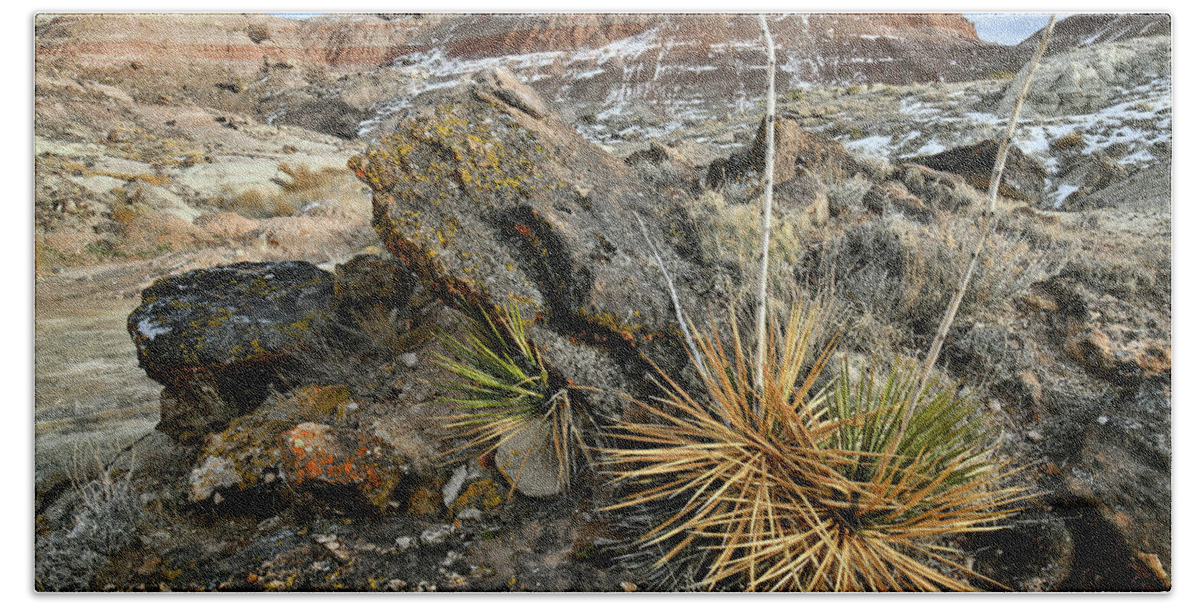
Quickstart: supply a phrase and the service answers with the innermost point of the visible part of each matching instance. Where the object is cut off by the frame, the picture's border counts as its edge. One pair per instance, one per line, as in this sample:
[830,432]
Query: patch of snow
[876,146]
[1061,194]
[589,74]
[983,118]
[931,147]
[1139,158]
[147,328]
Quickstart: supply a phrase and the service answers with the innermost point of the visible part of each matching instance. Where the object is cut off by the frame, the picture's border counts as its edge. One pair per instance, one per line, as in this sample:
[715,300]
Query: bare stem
[683,324]
[760,358]
[984,230]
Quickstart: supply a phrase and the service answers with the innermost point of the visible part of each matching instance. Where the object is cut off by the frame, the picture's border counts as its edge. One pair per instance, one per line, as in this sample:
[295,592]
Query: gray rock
[503,84]
[1084,80]
[500,222]
[528,461]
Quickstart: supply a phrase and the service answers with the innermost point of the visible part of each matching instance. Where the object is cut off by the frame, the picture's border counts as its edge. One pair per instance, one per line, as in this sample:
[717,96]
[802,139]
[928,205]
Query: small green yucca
[503,388]
[804,489]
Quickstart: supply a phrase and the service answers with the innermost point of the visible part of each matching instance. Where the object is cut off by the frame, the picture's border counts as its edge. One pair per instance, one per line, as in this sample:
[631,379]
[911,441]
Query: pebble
[409,360]
[471,513]
[1034,435]
[404,542]
[435,535]
[451,489]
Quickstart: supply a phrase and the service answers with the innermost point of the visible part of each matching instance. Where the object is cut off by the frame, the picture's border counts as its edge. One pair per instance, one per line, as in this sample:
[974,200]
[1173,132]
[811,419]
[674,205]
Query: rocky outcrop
[326,72]
[1024,178]
[1094,29]
[1146,189]
[1095,394]
[333,116]
[1087,79]
[219,339]
[1088,174]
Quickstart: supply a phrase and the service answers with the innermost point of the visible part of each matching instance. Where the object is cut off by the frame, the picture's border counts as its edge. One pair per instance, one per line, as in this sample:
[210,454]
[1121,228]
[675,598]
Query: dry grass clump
[847,195]
[806,489]
[300,188]
[731,239]
[1145,277]
[904,273]
[363,349]
[106,518]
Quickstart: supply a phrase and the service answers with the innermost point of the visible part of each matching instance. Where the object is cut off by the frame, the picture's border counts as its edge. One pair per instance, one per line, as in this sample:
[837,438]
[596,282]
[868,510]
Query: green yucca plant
[503,389]
[804,489]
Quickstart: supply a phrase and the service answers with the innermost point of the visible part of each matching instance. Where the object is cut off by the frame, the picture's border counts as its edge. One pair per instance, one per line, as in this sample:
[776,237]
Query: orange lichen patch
[251,443]
[1118,361]
[317,452]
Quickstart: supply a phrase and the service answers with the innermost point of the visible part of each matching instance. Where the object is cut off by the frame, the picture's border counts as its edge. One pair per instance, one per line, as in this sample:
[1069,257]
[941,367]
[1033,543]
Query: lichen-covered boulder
[490,200]
[297,439]
[217,338]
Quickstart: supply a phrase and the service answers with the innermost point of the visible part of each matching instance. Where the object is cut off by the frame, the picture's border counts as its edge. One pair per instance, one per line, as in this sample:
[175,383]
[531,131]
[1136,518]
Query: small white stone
[1102,420]
[451,489]
[435,535]
[404,542]
[409,360]
[1034,435]
[471,513]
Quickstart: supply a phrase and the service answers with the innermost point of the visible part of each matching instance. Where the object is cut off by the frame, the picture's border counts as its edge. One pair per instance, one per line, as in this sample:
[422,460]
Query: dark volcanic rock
[229,328]
[1090,173]
[1024,178]
[331,116]
[795,147]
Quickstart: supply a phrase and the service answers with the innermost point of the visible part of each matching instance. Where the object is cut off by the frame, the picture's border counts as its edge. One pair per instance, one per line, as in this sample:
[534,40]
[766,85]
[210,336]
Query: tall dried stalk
[935,348]
[768,185]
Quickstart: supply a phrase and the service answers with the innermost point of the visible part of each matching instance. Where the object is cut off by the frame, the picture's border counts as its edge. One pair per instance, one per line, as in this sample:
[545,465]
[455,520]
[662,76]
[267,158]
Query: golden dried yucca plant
[807,489]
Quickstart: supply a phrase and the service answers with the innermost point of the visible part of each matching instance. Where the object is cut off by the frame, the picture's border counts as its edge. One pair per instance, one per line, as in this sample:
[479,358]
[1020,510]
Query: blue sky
[1008,28]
